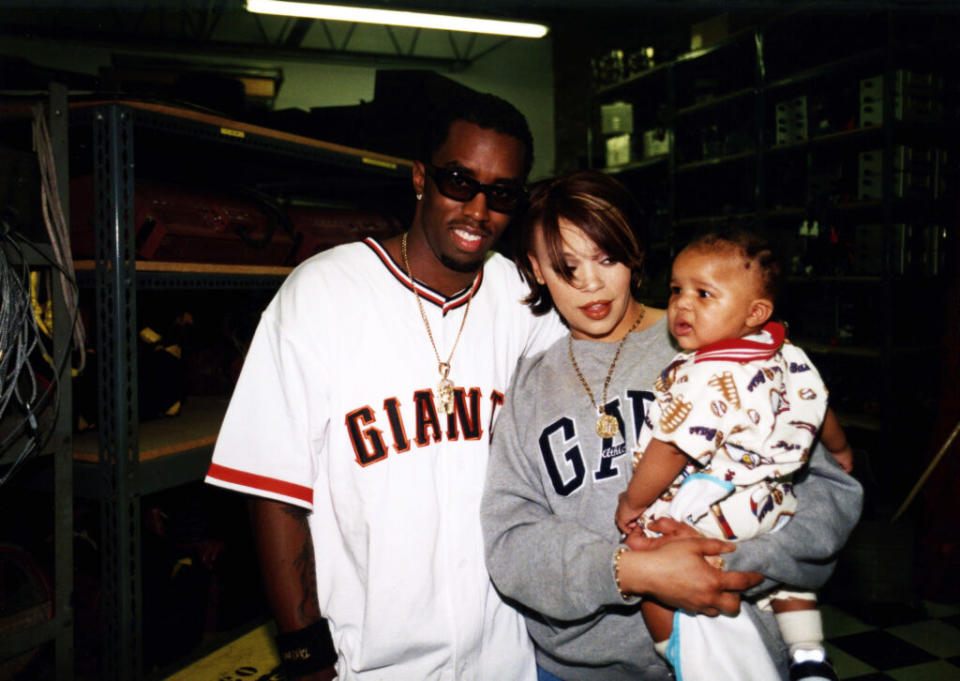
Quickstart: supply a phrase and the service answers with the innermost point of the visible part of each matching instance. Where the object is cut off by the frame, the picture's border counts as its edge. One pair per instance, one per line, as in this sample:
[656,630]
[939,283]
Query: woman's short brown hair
[597,204]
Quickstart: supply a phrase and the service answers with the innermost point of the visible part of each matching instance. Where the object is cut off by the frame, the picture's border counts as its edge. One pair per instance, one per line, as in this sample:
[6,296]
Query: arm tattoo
[306,567]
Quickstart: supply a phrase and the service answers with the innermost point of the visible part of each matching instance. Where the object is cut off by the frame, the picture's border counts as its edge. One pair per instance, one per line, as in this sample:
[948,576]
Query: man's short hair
[484,110]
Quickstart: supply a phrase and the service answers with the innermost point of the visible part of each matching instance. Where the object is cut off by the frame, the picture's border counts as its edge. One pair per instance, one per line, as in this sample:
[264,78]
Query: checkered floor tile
[894,643]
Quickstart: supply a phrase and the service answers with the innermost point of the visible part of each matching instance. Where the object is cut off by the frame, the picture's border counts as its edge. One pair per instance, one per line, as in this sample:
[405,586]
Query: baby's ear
[760,311]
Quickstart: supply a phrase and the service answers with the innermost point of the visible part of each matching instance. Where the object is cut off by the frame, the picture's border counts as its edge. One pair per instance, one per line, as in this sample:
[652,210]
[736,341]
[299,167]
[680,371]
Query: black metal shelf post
[760,108]
[116,341]
[63,428]
[672,159]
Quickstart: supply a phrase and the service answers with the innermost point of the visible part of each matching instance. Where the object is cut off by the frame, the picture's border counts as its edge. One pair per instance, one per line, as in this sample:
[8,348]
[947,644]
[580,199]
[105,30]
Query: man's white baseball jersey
[335,411]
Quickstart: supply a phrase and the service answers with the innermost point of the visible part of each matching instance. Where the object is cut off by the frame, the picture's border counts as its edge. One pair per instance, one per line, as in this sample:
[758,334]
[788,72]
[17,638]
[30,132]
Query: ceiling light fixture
[369,15]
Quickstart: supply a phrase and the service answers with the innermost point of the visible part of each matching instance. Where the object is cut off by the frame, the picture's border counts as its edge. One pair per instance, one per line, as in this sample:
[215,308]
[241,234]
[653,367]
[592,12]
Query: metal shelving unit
[133,459]
[743,176]
[58,629]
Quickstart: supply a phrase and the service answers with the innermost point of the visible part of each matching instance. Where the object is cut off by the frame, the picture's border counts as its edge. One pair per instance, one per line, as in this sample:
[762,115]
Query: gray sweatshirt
[551,492]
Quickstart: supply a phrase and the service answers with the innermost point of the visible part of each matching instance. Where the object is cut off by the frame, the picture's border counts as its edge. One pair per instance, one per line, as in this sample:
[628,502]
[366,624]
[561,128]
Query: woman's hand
[675,572]
[669,530]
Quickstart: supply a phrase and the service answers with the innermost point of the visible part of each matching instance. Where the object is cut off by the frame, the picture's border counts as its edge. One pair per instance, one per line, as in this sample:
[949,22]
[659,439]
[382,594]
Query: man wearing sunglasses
[361,423]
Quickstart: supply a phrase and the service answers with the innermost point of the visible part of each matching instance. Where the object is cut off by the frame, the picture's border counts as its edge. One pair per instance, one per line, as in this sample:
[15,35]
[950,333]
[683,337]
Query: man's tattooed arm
[281,534]
[285,549]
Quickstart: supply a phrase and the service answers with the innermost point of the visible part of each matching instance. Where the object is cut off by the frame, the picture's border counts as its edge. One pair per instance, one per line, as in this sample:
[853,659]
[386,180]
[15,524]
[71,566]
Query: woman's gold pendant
[607,426]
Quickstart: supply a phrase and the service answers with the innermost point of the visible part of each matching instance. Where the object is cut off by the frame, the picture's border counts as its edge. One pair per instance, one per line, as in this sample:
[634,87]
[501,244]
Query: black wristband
[306,650]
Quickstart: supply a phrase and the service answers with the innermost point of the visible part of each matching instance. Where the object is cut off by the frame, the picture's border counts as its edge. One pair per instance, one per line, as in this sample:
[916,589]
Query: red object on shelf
[184,224]
[318,229]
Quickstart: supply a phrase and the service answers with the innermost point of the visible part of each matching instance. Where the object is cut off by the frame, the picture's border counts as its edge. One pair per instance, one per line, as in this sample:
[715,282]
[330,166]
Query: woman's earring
[419,196]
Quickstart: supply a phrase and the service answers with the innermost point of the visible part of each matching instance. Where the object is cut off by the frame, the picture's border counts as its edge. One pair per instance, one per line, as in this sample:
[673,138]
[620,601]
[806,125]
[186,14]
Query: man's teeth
[467,236]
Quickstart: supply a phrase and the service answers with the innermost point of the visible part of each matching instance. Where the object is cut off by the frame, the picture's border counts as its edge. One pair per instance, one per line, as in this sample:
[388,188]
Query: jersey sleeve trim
[272,486]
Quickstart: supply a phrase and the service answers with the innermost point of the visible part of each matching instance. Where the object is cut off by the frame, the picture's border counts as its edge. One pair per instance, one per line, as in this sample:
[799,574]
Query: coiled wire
[19,337]
[22,341]
[23,348]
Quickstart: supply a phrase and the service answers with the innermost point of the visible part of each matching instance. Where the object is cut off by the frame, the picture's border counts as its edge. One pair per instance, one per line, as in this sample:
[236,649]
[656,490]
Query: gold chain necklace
[607,425]
[445,386]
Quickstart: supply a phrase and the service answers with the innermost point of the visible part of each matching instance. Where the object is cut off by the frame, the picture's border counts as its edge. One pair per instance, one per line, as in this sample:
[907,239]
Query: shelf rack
[132,460]
[700,182]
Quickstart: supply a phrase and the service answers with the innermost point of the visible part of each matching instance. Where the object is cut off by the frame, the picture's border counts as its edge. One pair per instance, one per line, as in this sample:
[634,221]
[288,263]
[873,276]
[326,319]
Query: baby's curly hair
[749,242]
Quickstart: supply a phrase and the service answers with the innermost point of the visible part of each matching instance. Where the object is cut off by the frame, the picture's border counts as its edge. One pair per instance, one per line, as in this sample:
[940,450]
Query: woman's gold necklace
[607,425]
[445,386]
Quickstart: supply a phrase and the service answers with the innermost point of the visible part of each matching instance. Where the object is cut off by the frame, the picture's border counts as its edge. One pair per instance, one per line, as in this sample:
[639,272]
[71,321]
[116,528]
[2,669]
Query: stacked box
[923,250]
[917,97]
[616,127]
[618,150]
[914,249]
[616,118]
[656,142]
[935,251]
[791,120]
[870,175]
[917,173]
[868,249]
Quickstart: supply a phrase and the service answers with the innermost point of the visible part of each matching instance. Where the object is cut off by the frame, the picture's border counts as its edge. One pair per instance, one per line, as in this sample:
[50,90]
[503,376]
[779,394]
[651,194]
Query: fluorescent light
[369,15]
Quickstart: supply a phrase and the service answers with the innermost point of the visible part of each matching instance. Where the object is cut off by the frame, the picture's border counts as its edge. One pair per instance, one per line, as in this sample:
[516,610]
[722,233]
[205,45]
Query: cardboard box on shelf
[709,31]
[616,118]
[916,97]
[656,142]
[618,150]
[791,120]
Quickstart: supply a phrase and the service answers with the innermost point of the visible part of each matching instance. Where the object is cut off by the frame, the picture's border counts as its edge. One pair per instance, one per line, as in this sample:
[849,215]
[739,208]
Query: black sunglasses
[503,198]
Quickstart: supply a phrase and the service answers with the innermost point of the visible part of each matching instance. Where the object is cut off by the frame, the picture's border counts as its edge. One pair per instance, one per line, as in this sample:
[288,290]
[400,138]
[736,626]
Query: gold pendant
[607,426]
[445,395]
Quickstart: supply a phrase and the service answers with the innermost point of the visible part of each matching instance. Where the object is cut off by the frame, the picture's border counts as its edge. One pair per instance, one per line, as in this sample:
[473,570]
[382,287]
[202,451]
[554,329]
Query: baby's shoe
[811,665]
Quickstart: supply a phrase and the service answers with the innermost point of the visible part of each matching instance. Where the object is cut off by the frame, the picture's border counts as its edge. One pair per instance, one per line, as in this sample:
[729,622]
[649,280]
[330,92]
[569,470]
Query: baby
[736,416]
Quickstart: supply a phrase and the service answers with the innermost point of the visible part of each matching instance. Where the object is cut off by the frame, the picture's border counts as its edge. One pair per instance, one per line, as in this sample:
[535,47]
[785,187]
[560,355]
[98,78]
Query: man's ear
[760,311]
[535,265]
[419,177]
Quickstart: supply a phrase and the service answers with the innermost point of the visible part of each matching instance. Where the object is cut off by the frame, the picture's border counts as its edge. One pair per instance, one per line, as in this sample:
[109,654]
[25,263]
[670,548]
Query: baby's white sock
[801,630]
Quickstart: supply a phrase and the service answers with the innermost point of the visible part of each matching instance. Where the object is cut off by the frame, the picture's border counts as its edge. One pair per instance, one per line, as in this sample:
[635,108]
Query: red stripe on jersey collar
[427,293]
[742,349]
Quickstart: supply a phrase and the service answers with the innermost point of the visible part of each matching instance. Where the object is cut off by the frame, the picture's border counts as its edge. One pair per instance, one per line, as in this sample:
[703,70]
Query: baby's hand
[627,515]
